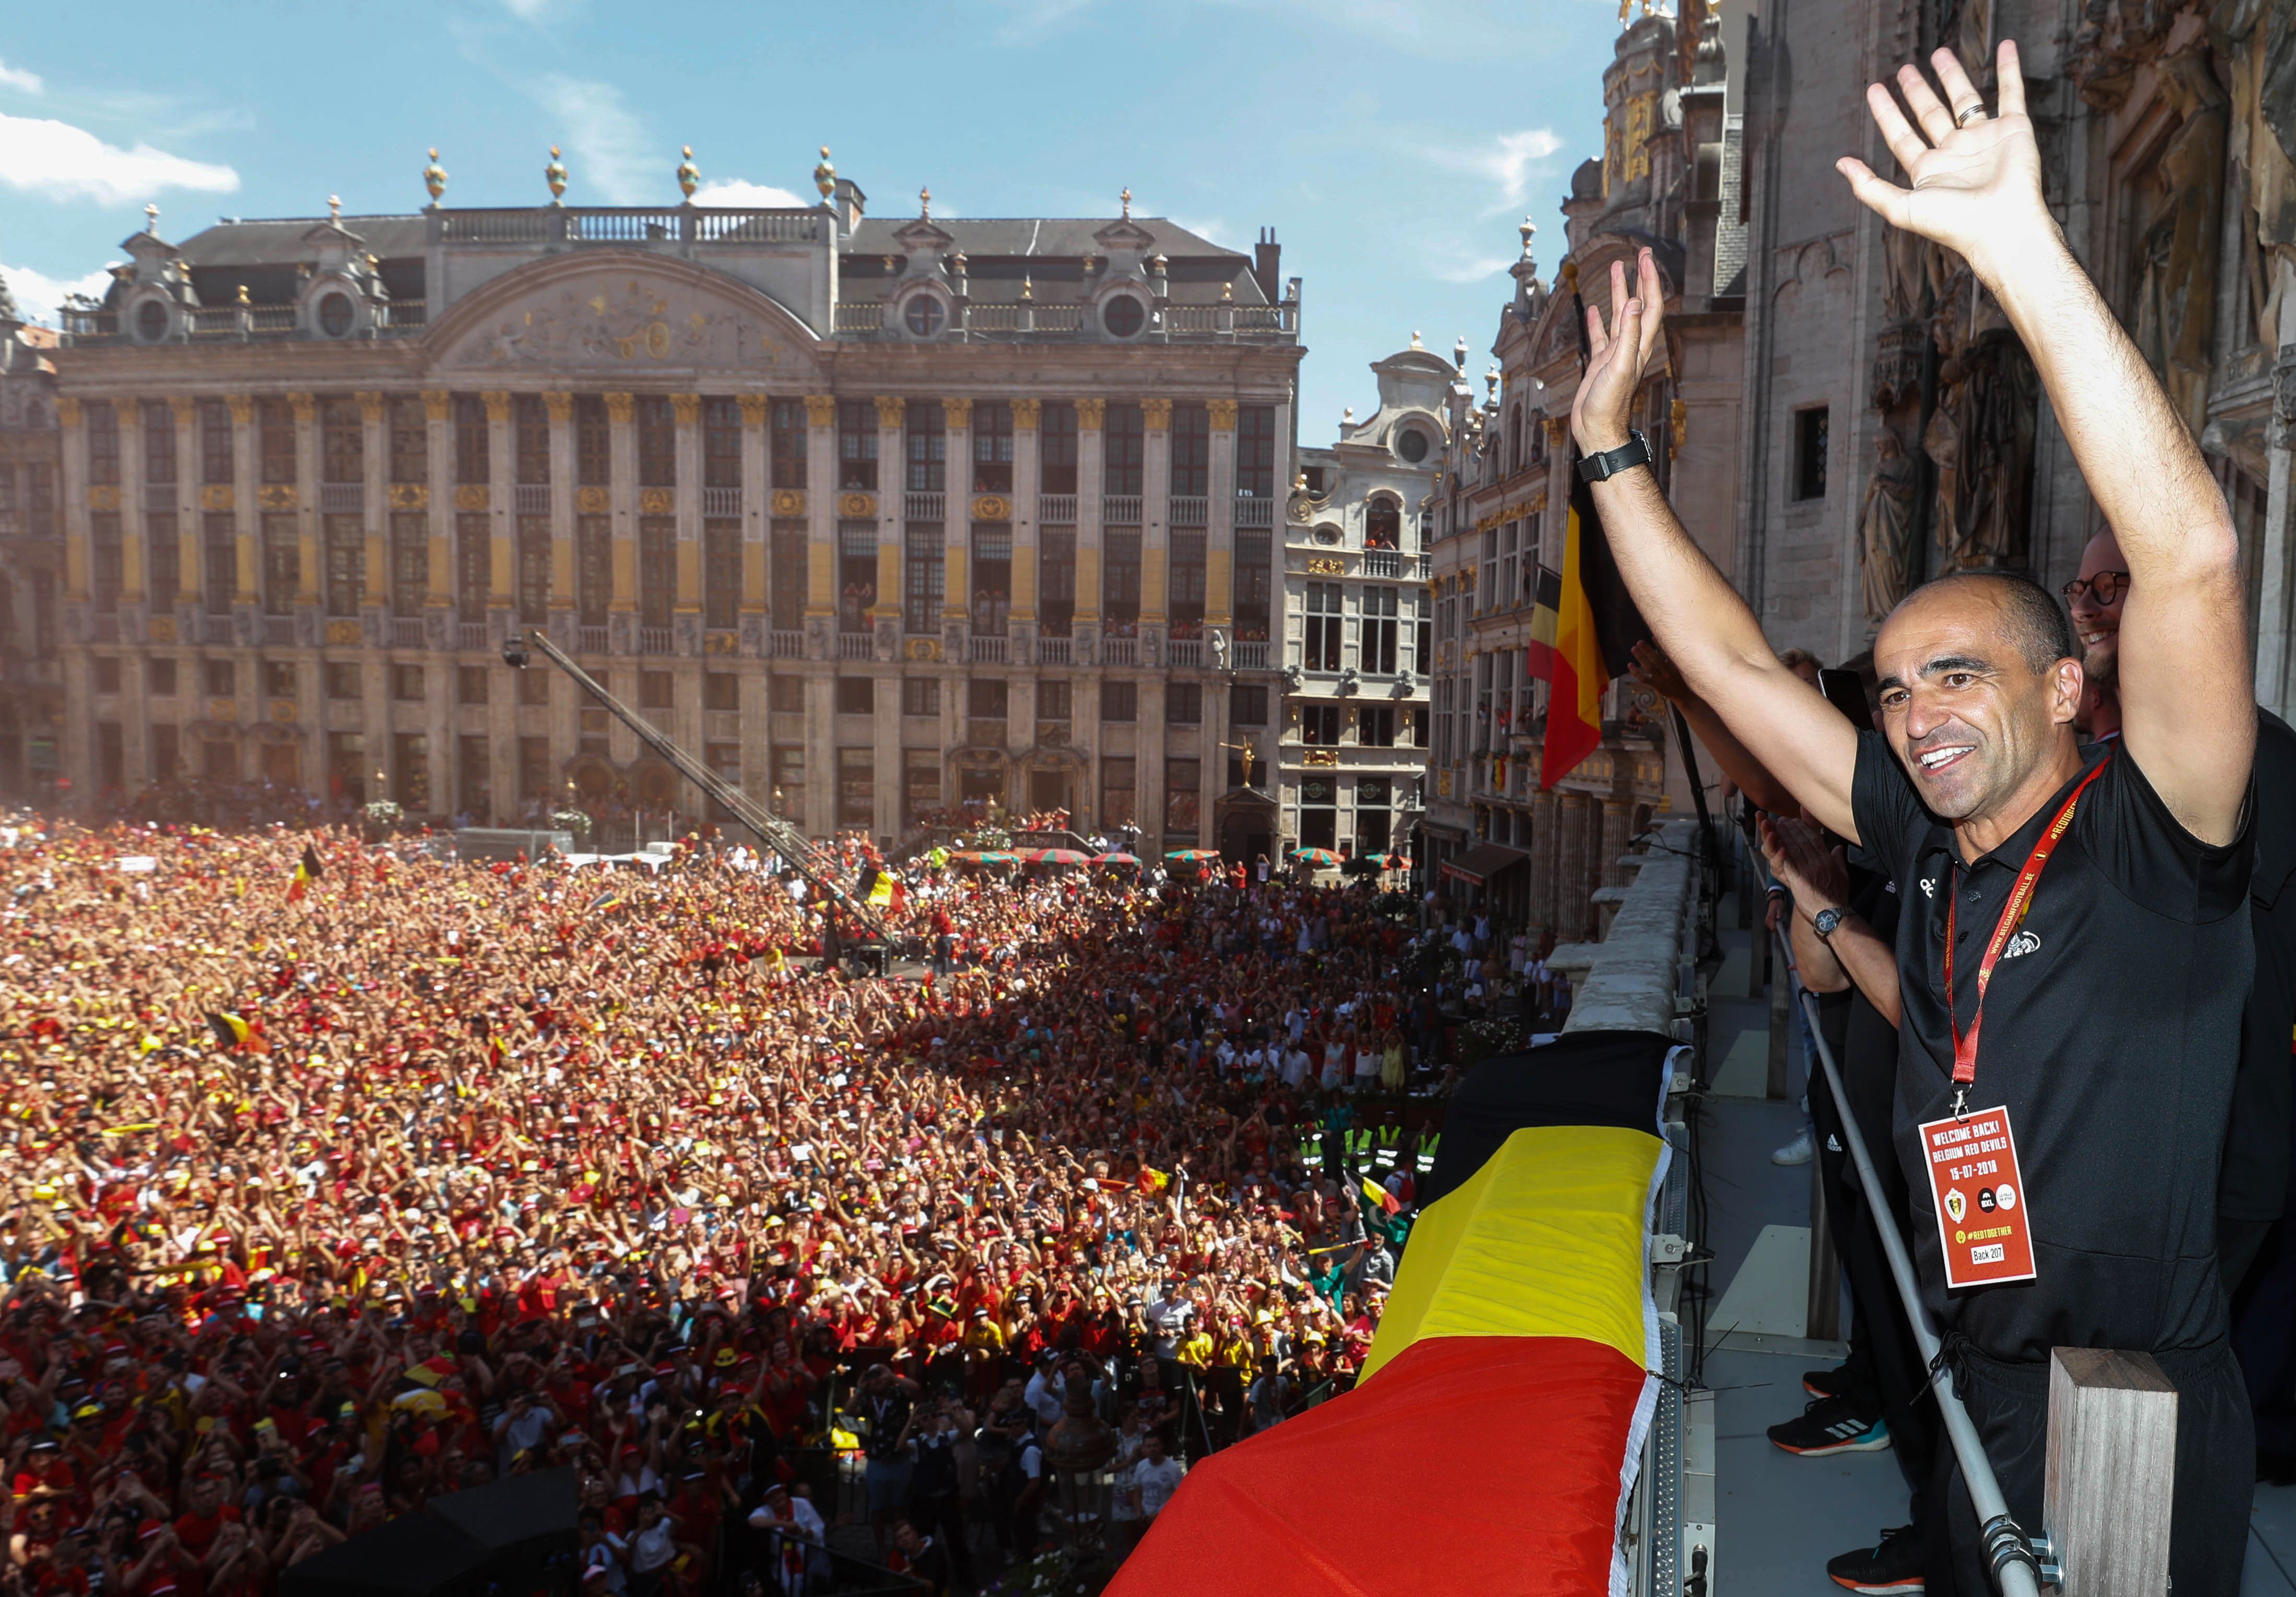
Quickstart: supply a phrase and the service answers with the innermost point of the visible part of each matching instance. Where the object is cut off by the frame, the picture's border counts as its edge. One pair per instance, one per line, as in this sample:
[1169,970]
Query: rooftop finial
[924,203]
[555,175]
[434,176]
[1126,198]
[1416,344]
[1348,416]
[1028,287]
[151,217]
[825,176]
[689,176]
[1528,229]
[334,207]
[1459,353]
[1491,384]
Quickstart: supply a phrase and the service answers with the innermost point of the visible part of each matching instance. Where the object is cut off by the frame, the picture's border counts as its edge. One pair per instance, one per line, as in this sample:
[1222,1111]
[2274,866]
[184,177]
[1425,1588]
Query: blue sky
[1393,144]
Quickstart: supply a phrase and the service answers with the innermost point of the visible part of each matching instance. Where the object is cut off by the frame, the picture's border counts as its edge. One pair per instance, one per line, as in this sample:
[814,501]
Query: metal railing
[406,632]
[270,318]
[924,507]
[1056,509]
[784,645]
[1254,513]
[214,322]
[657,640]
[1054,648]
[405,316]
[860,315]
[2005,1539]
[1249,656]
[1120,509]
[342,498]
[987,652]
[720,504]
[530,498]
[471,635]
[1119,651]
[1189,510]
[856,645]
[593,639]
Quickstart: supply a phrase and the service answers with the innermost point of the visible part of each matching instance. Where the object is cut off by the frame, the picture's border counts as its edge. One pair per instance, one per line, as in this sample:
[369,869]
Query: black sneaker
[1891,1566]
[1825,1383]
[1829,1425]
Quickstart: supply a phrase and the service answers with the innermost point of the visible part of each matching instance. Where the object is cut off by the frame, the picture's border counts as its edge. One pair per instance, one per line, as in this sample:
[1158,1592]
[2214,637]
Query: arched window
[1514,439]
[1382,524]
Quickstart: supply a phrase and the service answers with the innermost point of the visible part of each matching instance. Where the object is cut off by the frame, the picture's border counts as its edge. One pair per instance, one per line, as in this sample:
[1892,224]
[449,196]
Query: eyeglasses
[2105,587]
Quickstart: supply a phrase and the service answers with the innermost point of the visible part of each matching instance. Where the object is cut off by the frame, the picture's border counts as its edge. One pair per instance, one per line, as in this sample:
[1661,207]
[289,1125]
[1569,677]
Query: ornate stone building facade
[876,516]
[1352,752]
[31,558]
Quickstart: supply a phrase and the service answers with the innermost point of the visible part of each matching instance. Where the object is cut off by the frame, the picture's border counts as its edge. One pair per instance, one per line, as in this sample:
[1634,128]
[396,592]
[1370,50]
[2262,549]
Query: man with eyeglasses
[2071,1198]
[2255,1246]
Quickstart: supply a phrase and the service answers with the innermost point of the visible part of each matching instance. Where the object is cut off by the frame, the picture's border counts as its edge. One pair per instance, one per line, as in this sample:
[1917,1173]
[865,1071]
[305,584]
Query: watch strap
[1598,468]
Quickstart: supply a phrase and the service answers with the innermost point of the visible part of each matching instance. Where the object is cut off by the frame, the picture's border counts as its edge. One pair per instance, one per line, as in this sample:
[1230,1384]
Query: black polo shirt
[2256,1180]
[2111,1035]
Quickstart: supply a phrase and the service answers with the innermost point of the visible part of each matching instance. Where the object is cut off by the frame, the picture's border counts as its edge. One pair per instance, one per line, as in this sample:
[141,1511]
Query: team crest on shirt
[1929,887]
[2024,942]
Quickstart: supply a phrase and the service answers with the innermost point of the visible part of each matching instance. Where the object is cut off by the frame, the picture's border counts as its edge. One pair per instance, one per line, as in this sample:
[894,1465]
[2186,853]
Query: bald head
[2033,621]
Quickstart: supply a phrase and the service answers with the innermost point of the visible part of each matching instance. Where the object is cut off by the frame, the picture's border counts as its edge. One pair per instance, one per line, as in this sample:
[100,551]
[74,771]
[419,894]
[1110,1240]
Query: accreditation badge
[1984,1229]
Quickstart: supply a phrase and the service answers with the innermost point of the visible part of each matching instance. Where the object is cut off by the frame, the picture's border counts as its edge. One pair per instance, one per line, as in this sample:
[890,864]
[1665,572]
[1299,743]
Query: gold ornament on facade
[103,496]
[689,176]
[958,413]
[434,176]
[1325,565]
[369,406]
[857,505]
[409,495]
[216,495]
[825,176]
[1090,413]
[185,408]
[304,406]
[275,495]
[820,410]
[1126,198]
[1227,293]
[891,409]
[555,175]
[341,635]
[1025,413]
[1223,414]
[721,642]
[1320,756]
[686,408]
[558,407]
[471,496]
[927,648]
[618,409]
[592,500]
[438,405]
[282,710]
[497,404]
[222,709]
[753,410]
[1678,421]
[67,411]
[1558,430]
[163,630]
[1028,287]
[789,502]
[991,507]
[1156,415]
[657,502]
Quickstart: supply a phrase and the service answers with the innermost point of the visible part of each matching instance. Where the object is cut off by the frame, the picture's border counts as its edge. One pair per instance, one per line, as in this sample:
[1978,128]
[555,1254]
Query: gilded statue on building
[2176,295]
[1885,545]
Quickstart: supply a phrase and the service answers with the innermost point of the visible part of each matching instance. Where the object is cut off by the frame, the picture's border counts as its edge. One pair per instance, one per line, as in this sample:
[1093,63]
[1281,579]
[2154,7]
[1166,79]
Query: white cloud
[19,77]
[1509,160]
[528,10]
[65,162]
[607,146]
[1472,271]
[737,192]
[38,294]
[1204,227]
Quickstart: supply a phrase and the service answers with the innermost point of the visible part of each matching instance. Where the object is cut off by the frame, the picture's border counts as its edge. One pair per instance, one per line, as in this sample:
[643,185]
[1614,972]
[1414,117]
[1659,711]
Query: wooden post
[2112,1472]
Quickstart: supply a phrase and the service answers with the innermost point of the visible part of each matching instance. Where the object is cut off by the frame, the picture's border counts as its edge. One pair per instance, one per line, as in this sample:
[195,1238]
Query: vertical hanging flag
[1545,623]
[1596,628]
[307,870]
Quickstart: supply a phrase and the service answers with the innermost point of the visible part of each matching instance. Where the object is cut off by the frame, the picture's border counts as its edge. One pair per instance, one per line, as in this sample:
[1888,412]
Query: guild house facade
[876,516]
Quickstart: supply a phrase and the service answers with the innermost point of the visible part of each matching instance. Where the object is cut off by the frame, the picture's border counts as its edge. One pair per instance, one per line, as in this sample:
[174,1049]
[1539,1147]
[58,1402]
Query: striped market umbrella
[1192,856]
[1323,859]
[985,856]
[1117,859]
[1053,856]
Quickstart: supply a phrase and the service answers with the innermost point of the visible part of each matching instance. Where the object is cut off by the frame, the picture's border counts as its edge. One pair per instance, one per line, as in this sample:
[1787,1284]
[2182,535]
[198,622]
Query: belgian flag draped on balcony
[1511,1384]
[307,870]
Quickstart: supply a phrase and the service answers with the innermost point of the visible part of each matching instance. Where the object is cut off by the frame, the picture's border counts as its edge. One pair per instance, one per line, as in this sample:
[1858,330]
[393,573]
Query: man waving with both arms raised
[2075,949]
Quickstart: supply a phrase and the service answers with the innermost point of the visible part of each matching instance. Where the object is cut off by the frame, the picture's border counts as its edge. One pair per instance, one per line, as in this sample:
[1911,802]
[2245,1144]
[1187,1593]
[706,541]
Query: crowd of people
[324,1199]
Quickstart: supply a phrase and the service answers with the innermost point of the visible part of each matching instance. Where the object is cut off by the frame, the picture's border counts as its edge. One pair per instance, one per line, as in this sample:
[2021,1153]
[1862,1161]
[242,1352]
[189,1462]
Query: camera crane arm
[776,834]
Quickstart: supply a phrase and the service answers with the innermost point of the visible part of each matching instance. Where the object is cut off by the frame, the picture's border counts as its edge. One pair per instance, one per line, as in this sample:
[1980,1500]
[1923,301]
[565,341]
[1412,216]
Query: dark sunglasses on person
[2105,587]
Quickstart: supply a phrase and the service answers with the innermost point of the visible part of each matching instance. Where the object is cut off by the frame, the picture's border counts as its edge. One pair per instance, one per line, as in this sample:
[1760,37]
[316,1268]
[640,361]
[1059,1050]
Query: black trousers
[2264,1322]
[2215,1463]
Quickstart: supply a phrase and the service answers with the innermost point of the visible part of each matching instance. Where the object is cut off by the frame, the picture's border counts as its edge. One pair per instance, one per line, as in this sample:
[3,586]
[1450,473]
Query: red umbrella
[1119,858]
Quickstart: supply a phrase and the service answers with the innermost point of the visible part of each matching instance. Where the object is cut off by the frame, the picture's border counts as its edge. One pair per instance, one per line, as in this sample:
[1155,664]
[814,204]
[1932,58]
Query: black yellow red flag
[1597,627]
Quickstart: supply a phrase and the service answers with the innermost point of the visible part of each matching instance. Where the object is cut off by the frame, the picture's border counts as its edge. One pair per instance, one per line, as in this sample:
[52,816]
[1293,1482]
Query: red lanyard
[2021,899]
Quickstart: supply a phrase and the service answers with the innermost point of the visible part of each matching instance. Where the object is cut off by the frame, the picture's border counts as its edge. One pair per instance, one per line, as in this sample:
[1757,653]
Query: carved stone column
[1220,533]
[957,517]
[245,475]
[563,545]
[622,495]
[821,544]
[1091,478]
[1028,487]
[374,511]
[189,581]
[1618,826]
[891,479]
[1571,919]
[502,548]
[1545,839]
[307,497]
[756,497]
[129,415]
[687,410]
[1155,511]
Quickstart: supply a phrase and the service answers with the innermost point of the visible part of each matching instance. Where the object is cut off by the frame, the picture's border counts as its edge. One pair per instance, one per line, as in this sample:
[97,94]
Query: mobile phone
[1846,691]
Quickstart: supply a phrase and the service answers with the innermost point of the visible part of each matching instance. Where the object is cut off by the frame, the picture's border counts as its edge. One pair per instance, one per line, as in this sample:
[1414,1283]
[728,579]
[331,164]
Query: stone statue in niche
[1941,441]
[1998,458]
[2176,297]
[1886,526]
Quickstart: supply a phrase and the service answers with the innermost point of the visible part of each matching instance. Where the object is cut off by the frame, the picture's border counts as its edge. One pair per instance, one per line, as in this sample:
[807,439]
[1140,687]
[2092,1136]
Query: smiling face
[2096,624]
[1967,712]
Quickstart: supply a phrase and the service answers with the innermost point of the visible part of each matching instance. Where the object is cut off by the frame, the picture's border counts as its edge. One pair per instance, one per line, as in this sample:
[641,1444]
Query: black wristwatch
[1824,921]
[1597,468]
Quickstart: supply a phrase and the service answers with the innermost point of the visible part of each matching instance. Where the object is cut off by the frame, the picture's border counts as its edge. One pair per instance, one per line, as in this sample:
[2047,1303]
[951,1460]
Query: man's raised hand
[1602,413]
[1976,176]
